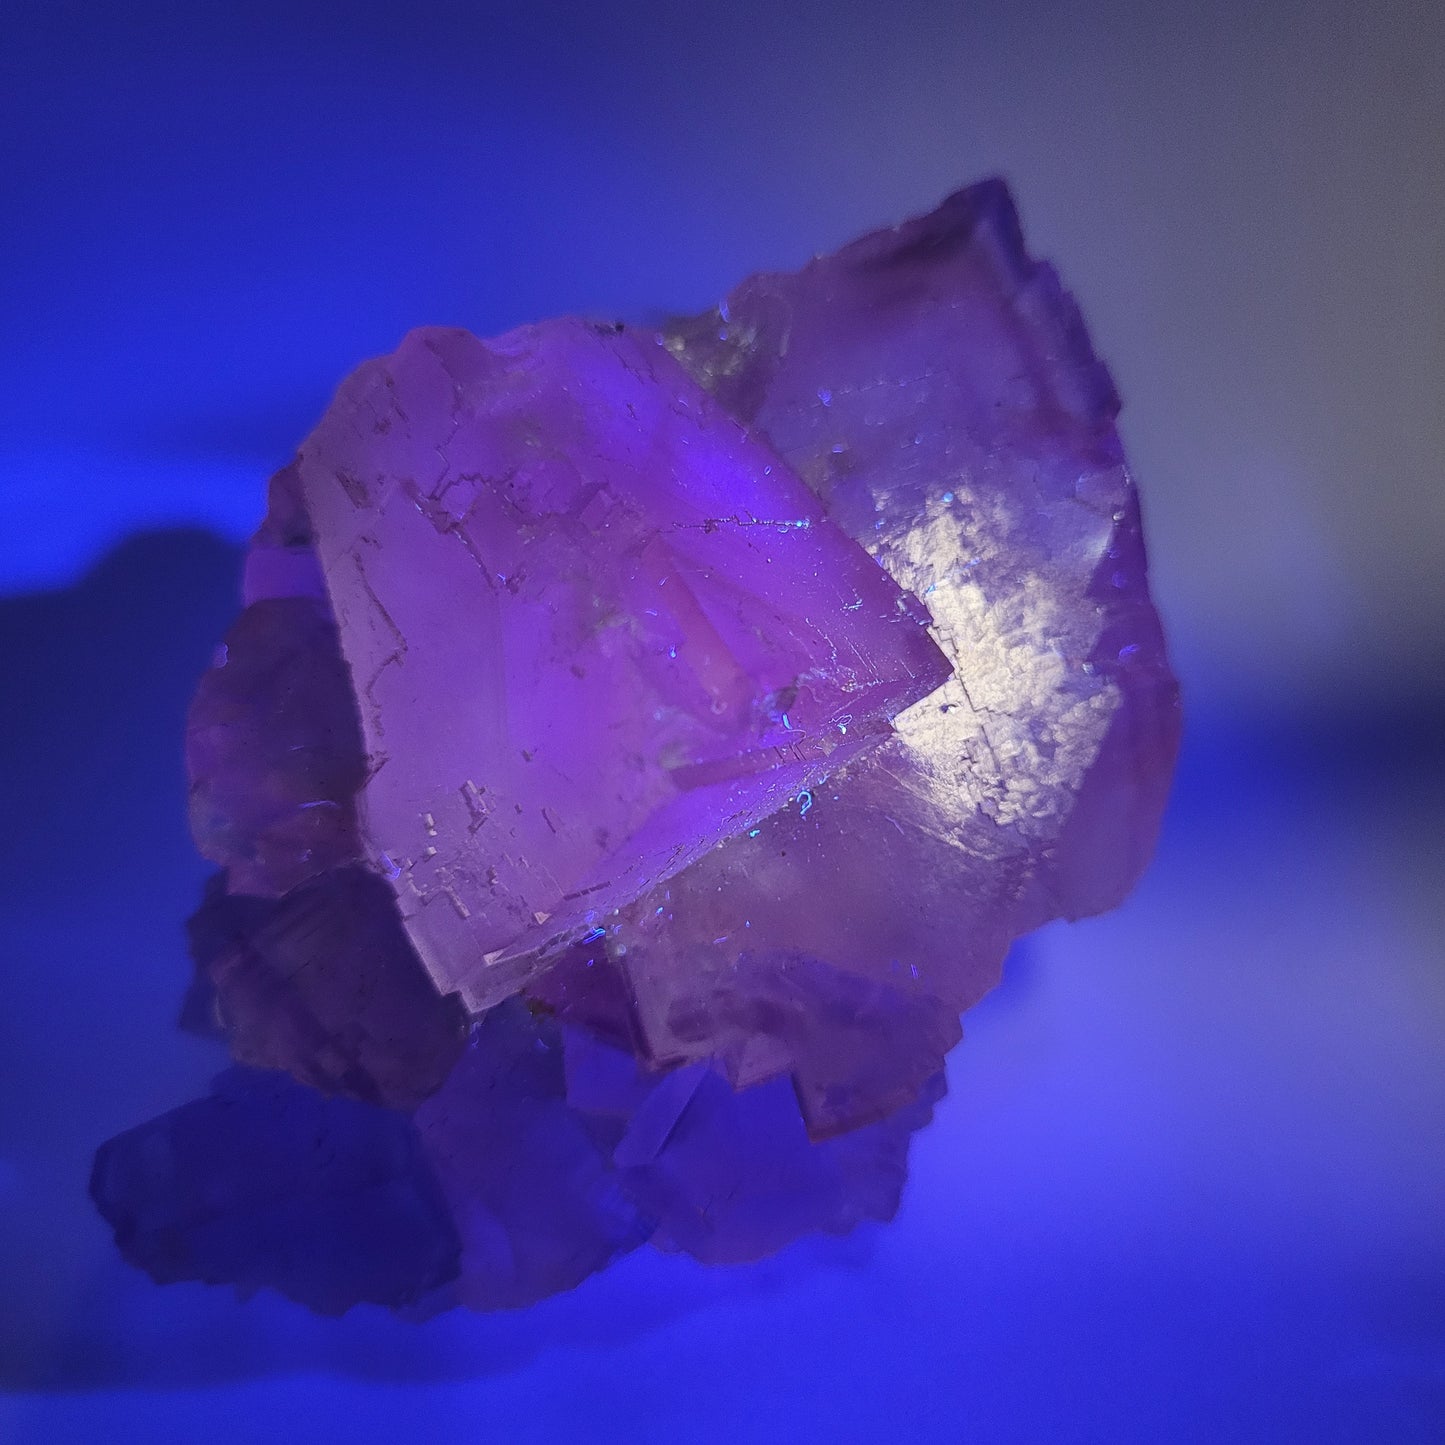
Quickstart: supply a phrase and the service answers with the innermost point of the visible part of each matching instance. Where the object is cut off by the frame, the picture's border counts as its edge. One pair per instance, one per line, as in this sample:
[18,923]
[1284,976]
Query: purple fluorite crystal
[704,713]
[594,628]
[607,649]
[324,984]
[264,1182]
[273,747]
[935,387]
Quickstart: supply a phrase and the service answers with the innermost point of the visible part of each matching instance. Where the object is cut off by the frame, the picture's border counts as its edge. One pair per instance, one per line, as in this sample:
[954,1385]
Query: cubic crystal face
[636,751]
[594,629]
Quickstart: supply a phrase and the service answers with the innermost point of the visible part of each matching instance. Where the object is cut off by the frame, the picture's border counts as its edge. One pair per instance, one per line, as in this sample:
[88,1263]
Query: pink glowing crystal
[935,387]
[594,630]
[273,747]
[706,711]
[740,693]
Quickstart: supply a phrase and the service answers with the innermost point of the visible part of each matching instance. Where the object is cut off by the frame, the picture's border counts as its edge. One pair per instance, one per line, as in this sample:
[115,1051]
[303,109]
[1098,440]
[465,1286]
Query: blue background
[1189,1183]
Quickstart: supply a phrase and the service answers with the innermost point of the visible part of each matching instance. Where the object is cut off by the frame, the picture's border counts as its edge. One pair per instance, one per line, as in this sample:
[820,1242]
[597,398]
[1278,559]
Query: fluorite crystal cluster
[635,752]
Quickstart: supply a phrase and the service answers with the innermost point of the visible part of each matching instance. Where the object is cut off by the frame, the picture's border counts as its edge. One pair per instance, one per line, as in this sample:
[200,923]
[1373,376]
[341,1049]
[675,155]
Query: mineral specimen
[703,713]
[600,616]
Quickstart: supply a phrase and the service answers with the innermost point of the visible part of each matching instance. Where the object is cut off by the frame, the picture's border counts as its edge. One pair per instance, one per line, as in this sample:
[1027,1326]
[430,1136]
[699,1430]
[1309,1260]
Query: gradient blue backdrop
[1189,1184]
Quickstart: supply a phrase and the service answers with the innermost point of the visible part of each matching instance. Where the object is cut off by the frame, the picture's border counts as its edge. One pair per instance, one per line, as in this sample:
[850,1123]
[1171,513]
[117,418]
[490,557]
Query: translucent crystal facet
[593,628]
